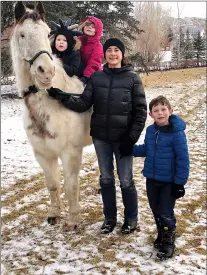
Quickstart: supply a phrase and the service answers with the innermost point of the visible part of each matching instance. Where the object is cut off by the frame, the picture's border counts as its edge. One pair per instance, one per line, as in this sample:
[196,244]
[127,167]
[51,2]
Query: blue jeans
[105,151]
[161,202]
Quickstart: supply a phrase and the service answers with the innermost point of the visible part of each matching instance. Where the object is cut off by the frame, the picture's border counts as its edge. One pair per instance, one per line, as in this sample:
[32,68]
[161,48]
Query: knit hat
[67,33]
[114,42]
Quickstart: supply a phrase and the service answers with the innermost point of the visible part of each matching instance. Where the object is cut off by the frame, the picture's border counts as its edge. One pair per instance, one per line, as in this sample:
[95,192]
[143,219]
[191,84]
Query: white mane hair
[53,131]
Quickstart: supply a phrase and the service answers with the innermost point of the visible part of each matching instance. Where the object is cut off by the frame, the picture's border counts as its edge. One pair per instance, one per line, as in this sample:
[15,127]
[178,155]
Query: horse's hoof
[70,227]
[52,220]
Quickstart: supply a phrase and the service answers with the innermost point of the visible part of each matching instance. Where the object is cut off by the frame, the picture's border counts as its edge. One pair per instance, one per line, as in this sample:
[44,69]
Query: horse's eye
[22,35]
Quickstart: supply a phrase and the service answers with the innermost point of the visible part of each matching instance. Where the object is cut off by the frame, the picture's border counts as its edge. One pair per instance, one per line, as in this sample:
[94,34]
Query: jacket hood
[98,26]
[74,43]
[124,68]
[176,124]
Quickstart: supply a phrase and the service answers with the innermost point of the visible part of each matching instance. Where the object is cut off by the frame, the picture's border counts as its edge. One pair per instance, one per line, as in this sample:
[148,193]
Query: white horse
[53,131]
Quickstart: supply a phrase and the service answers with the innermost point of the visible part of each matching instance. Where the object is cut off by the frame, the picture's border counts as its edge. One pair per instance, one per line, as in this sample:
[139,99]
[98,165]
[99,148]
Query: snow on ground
[31,246]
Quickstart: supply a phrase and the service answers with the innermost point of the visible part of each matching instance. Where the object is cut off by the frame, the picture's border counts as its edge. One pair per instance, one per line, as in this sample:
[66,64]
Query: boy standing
[166,169]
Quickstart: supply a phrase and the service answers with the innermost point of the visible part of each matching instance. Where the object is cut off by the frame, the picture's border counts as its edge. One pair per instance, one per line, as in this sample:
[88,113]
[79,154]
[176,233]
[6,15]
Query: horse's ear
[19,11]
[40,9]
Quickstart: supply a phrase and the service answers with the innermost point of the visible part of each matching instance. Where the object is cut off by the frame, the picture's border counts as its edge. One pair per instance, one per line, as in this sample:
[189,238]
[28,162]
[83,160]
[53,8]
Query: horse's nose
[46,74]
[50,74]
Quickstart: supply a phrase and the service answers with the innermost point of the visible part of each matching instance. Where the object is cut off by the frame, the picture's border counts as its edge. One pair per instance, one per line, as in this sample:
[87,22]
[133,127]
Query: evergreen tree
[188,46]
[199,47]
[56,10]
[175,55]
[7,13]
[116,16]
[181,37]
[182,45]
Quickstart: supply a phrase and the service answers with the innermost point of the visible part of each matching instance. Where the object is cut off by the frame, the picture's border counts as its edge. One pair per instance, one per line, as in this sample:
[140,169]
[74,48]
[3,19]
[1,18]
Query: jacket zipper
[108,100]
[156,138]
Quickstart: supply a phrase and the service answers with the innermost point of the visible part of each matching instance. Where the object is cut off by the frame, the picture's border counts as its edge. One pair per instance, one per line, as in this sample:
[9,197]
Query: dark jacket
[71,57]
[71,63]
[119,104]
[166,152]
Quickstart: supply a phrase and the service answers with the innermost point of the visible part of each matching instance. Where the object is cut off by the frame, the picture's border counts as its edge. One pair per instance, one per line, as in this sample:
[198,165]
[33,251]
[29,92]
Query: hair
[35,16]
[159,100]
[88,21]
[85,23]
[124,61]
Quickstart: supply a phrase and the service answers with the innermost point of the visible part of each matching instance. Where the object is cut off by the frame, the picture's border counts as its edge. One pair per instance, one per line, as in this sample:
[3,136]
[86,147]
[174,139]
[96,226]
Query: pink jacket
[92,49]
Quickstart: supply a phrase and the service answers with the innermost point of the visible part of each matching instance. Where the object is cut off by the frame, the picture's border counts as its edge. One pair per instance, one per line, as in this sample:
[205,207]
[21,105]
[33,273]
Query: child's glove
[177,191]
[126,147]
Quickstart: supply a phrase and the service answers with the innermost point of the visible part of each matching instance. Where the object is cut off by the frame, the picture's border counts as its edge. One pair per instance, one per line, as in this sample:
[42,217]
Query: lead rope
[33,89]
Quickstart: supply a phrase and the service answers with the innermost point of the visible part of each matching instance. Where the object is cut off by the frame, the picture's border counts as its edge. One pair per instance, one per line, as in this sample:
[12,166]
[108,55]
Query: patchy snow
[31,246]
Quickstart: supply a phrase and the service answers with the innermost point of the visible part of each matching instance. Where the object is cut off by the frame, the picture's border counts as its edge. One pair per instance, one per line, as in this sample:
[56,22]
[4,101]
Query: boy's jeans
[104,152]
[161,202]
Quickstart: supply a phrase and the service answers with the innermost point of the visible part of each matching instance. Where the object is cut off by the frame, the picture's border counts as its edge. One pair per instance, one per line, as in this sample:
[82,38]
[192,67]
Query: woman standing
[119,115]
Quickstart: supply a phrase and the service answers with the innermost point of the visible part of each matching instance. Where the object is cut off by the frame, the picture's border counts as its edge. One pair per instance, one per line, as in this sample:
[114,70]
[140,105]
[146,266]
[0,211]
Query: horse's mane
[35,16]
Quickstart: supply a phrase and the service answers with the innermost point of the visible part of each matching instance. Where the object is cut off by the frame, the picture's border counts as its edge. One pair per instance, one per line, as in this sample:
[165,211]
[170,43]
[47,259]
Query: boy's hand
[177,191]
[126,147]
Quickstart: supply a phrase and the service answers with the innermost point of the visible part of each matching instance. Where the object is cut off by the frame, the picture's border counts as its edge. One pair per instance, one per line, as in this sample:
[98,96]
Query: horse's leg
[71,160]
[52,181]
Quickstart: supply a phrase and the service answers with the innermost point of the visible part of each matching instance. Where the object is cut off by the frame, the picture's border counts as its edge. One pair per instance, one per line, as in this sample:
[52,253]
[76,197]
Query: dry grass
[158,79]
[21,184]
[107,247]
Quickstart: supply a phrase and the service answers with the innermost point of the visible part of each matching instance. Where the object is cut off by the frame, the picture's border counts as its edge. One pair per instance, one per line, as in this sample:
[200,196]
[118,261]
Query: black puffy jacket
[71,63]
[118,100]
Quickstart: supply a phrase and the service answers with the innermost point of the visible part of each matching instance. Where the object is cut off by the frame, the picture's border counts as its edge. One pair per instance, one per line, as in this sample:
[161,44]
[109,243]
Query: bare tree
[155,21]
[178,34]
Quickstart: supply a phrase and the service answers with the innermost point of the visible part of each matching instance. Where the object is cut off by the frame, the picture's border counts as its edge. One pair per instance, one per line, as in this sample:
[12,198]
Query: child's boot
[168,244]
[158,242]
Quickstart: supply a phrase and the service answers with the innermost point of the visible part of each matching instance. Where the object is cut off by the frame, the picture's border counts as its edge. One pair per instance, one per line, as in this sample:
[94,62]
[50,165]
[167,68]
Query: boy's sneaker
[129,227]
[108,226]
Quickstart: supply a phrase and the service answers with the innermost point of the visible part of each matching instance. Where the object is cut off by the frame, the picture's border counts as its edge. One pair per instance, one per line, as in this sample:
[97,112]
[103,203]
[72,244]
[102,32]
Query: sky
[187,9]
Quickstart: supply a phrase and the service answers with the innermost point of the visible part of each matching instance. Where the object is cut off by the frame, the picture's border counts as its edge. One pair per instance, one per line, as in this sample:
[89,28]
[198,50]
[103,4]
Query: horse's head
[31,46]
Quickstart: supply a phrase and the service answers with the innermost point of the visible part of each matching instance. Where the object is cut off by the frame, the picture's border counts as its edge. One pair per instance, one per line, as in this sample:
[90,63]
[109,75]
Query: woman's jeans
[104,152]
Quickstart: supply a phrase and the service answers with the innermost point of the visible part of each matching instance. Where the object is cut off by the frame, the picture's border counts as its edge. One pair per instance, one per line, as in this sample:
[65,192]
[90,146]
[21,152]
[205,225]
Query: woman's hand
[53,92]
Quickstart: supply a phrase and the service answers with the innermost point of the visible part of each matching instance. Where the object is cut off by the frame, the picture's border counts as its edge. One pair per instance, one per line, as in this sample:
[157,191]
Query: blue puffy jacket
[166,152]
